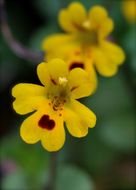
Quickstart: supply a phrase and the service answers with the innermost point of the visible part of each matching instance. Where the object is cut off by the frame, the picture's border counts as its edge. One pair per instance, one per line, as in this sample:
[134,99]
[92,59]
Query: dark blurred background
[105,159]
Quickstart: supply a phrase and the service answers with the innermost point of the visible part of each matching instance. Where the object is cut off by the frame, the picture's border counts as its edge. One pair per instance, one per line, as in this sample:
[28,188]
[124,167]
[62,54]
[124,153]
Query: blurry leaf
[119,131]
[129,41]
[96,155]
[15,180]
[113,95]
[48,8]
[32,158]
[37,38]
[133,63]
[72,178]
[113,99]
[120,24]
[133,68]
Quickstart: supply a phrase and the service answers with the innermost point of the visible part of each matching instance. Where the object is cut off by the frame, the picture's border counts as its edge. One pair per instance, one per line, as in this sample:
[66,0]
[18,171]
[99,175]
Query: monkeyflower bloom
[53,104]
[129,10]
[86,42]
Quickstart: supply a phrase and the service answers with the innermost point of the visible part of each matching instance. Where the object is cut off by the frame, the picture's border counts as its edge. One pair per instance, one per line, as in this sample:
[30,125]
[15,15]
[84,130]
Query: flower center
[88,37]
[58,94]
[88,34]
[57,103]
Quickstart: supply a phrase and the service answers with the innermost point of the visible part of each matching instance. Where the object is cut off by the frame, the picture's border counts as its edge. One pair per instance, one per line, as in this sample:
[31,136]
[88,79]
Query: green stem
[52,172]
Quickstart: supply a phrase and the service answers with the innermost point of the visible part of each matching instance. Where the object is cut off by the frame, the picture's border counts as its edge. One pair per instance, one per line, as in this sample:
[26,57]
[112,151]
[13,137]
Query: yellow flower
[85,45]
[129,10]
[53,104]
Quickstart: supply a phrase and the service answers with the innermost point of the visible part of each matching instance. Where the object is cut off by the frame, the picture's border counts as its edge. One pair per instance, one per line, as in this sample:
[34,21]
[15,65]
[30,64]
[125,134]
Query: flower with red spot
[85,43]
[53,104]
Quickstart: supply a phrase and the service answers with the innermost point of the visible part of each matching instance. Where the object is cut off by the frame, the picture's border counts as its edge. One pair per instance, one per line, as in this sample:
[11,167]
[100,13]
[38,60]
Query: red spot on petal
[53,81]
[76,65]
[73,88]
[46,123]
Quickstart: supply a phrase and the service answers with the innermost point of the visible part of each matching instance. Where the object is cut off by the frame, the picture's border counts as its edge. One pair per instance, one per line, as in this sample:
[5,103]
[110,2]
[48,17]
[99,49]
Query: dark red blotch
[46,123]
[76,65]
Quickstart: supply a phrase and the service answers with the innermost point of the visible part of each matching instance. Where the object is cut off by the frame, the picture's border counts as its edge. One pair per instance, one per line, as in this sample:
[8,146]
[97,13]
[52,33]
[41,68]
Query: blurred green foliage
[73,178]
[102,160]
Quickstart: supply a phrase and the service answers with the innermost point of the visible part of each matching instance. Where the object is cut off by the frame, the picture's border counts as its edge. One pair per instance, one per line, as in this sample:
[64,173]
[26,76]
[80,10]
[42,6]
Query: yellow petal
[88,117]
[23,89]
[28,97]
[97,14]
[114,52]
[100,21]
[50,72]
[79,83]
[92,75]
[78,118]
[53,41]
[65,22]
[46,126]
[53,140]
[71,19]
[30,131]
[43,73]
[74,123]
[64,44]
[103,65]
[106,28]
[77,13]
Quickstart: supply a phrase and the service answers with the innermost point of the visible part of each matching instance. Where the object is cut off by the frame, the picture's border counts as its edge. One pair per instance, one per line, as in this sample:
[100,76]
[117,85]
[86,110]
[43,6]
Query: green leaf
[133,68]
[113,101]
[14,180]
[32,158]
[113,95]
[72,178]
[133,63]
[129,41]
[96,155]
[119,131]
[48,8]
